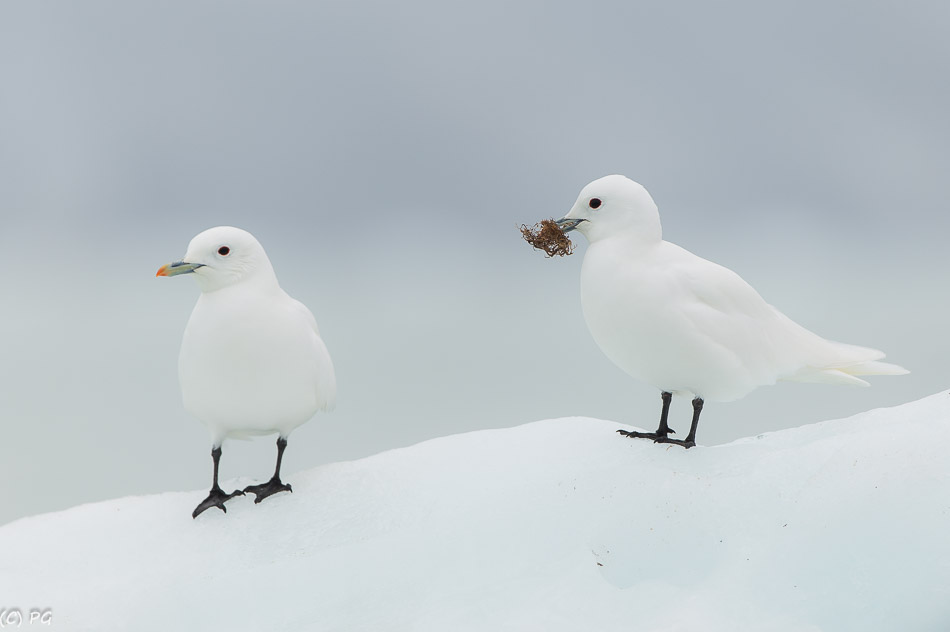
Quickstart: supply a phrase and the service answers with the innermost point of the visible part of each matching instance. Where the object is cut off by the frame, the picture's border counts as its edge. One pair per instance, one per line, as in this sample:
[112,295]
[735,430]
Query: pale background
[385,153]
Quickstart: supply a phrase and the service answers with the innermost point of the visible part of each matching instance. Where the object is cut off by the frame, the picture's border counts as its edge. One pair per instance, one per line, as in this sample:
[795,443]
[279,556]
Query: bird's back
[682,323]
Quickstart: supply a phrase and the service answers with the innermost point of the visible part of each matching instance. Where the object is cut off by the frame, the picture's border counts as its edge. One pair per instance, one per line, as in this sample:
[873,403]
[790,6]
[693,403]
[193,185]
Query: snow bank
[554,525]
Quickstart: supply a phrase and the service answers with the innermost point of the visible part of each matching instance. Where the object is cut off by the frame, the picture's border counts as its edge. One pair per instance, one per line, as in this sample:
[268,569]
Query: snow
[553,525]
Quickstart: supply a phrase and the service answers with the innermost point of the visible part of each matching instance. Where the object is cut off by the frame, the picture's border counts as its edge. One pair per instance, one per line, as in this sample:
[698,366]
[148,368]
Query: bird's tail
[850,362]
[875,368]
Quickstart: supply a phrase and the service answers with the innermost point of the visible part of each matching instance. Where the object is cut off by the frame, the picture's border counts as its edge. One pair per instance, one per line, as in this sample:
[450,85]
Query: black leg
[664,428]
[663,431]
[690,440]
[216,497]
[697,410]
[274,485]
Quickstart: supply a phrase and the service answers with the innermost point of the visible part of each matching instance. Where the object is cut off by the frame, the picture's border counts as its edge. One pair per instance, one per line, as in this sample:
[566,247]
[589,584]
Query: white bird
[684,324]
[252,361]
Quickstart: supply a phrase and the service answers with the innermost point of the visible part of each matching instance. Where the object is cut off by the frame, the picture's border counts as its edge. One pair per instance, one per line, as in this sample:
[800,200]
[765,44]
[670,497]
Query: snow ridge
[553,525]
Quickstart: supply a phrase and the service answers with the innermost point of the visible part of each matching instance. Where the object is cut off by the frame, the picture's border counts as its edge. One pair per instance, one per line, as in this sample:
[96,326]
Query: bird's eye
[224,251]
[594,203]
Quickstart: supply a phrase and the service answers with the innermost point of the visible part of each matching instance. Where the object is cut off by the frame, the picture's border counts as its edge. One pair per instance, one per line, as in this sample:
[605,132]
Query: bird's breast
[244,363]
[621,310]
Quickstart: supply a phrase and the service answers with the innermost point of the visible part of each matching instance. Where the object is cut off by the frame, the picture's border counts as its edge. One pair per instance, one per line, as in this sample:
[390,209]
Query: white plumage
[252,361]
[682,323]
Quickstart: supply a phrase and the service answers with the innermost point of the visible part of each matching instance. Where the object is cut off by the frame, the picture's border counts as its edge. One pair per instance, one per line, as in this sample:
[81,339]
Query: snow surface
[554,525]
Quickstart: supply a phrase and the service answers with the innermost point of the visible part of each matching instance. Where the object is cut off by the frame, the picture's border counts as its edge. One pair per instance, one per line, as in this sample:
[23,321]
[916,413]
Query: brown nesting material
[548,238]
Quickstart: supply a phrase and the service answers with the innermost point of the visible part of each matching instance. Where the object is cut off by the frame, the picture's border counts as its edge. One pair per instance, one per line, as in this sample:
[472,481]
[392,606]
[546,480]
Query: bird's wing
[326,384]
[729,312]
[304,313]
[727,308]
[715,292]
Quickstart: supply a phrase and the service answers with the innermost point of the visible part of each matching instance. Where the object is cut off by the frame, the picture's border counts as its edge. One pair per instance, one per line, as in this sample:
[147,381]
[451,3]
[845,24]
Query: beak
[179,267]
[567,225]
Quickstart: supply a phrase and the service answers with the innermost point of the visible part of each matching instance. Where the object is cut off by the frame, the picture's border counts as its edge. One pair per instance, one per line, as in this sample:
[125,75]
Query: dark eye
[224,251]
[594,203]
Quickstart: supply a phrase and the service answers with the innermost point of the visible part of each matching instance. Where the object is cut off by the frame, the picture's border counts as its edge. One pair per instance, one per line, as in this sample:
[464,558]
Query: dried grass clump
[548,238]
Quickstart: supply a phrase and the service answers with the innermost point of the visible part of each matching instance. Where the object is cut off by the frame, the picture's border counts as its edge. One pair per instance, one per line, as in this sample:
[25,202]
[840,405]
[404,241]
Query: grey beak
[567,225]
[179,267]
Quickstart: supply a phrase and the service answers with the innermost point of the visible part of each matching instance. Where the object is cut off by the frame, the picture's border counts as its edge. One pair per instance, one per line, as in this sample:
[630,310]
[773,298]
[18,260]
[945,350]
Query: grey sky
[385,153]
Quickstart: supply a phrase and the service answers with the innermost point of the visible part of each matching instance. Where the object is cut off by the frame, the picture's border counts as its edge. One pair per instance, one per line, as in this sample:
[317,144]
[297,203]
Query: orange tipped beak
[179,267]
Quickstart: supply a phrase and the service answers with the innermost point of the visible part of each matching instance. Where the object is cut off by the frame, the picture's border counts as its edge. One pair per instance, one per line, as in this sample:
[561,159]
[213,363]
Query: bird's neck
[631,239]
[643,227]
[262,281]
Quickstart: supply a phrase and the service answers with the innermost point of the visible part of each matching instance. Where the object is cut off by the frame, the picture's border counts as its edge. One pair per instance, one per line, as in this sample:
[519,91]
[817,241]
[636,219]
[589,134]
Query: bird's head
[613,205]
[220,257]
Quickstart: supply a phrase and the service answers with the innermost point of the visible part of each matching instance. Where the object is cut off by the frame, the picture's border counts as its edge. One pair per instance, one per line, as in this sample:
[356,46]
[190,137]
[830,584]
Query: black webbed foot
[662,433]
[686,443]
[216,498]
[269,488]
[644,435]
